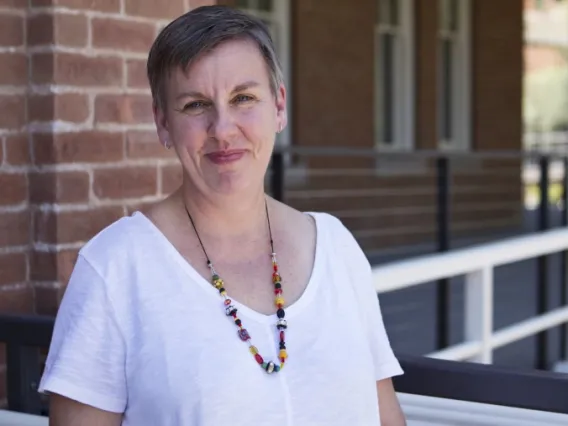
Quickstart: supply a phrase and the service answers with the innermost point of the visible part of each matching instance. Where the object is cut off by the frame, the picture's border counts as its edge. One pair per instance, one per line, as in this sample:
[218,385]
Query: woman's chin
[232,184]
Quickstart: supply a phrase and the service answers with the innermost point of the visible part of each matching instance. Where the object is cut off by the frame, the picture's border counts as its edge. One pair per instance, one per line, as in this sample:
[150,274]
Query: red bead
[281,336]
[234,314]
[227,302]
[258,358]
[275,268]
[278,291]
[279,305]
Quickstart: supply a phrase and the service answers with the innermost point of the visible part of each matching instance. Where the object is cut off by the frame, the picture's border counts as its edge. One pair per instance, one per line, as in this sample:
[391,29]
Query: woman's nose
[222,125]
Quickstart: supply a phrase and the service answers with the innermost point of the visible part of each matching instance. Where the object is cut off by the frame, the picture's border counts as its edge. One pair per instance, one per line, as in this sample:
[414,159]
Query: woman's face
[222,118]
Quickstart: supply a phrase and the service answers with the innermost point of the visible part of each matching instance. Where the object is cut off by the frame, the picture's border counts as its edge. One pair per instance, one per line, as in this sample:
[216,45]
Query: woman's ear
[160,118]
[281,109]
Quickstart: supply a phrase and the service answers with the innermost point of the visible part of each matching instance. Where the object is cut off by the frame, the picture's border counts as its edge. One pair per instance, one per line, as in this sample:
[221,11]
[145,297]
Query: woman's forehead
[231,64]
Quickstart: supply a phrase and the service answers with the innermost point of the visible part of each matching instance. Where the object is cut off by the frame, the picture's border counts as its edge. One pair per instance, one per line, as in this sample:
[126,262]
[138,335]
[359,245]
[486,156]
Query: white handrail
[477,264]
[411,272]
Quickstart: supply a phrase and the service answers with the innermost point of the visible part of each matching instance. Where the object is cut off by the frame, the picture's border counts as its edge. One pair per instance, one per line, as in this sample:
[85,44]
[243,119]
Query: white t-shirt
[139,331]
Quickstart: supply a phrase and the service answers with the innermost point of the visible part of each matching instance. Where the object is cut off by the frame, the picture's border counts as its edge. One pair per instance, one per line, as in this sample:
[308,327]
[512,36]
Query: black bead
[280,313]
[221,290]
[278,285]
[238,322]
[282,345]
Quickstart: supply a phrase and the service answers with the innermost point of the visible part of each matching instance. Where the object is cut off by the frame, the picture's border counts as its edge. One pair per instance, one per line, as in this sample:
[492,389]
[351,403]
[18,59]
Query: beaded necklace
[231,311]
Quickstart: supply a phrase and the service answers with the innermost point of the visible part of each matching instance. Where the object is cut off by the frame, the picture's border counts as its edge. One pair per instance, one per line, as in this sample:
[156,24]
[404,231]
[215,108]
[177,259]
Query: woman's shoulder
[333,227]
[327,226]
[118,241]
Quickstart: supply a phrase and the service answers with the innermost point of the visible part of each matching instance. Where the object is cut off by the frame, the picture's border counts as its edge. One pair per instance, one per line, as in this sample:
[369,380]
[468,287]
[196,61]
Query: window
[276,15]
[453,74]
[394,79]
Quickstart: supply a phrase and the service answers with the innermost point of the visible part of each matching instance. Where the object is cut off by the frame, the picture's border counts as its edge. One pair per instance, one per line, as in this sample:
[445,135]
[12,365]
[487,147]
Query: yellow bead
[283,354]
[253,350]
[281,365]
[218,284]
[223,293]
[279,300]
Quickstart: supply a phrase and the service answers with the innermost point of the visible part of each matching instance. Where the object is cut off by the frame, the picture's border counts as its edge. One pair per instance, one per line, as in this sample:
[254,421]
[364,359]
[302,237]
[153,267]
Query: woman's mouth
[225,157]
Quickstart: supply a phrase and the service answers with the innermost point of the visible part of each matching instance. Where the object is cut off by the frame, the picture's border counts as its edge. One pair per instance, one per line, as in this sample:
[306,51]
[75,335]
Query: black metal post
[23,334]
[542,266]
[443,225]
[22,378]
[277,176]
[563,262]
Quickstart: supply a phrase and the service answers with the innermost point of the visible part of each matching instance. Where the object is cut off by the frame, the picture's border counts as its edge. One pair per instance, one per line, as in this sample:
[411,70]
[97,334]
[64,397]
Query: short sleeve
[359,268]
[86,359]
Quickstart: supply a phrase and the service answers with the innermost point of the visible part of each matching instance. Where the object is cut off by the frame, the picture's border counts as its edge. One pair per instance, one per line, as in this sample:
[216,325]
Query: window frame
[403,98]
[461,77]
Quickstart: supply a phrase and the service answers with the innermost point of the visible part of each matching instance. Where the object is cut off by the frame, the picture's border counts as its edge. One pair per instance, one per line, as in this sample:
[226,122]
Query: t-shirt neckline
[291,310]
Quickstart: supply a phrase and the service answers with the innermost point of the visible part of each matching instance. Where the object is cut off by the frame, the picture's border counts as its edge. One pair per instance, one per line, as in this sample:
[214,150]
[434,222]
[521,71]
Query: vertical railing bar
[277,176]
[542,265]
[479,311]
[443,218]
[22,378]
[564,261]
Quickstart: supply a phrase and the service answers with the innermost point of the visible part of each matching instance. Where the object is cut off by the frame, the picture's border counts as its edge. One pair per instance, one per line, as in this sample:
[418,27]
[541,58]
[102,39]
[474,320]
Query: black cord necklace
[231,311]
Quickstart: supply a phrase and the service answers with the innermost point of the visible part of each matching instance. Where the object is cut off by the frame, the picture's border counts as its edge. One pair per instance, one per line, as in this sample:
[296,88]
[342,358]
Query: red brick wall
[77,141]
[16,294]
[332,71]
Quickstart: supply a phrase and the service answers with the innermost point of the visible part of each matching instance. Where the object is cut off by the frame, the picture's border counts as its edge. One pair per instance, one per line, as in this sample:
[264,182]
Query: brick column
[15,291]
[497,70]
[78,148]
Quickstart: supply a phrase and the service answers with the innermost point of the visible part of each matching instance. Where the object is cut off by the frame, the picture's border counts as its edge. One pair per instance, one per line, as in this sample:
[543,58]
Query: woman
[220,305]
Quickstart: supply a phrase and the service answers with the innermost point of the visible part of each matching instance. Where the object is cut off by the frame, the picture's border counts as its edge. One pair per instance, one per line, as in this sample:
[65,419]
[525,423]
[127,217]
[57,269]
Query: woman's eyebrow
[245,86]
[238,88]
[190,94]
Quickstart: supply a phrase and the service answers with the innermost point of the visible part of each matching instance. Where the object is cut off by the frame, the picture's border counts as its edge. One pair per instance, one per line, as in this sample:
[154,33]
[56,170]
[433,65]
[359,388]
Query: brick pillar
[333,72]
[497,69]
[15,291]
[78,148]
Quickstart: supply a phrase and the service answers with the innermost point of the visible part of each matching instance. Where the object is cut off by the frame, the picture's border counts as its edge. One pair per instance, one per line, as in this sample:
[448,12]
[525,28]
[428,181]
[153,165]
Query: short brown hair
[199,31]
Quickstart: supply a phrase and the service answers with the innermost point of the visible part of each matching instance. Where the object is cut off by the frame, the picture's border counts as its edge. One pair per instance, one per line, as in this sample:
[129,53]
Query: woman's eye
[194,105]
[243,98]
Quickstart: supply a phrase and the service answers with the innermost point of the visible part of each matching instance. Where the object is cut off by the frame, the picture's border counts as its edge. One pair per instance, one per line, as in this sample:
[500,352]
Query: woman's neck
[225,217]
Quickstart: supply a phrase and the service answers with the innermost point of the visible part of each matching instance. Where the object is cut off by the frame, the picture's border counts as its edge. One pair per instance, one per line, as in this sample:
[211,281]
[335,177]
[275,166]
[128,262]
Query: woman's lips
[225,157]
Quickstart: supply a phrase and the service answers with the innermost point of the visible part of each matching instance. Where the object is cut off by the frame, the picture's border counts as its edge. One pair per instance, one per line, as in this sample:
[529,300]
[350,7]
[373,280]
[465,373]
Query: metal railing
[481,383]
[488,384]
[477,264]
